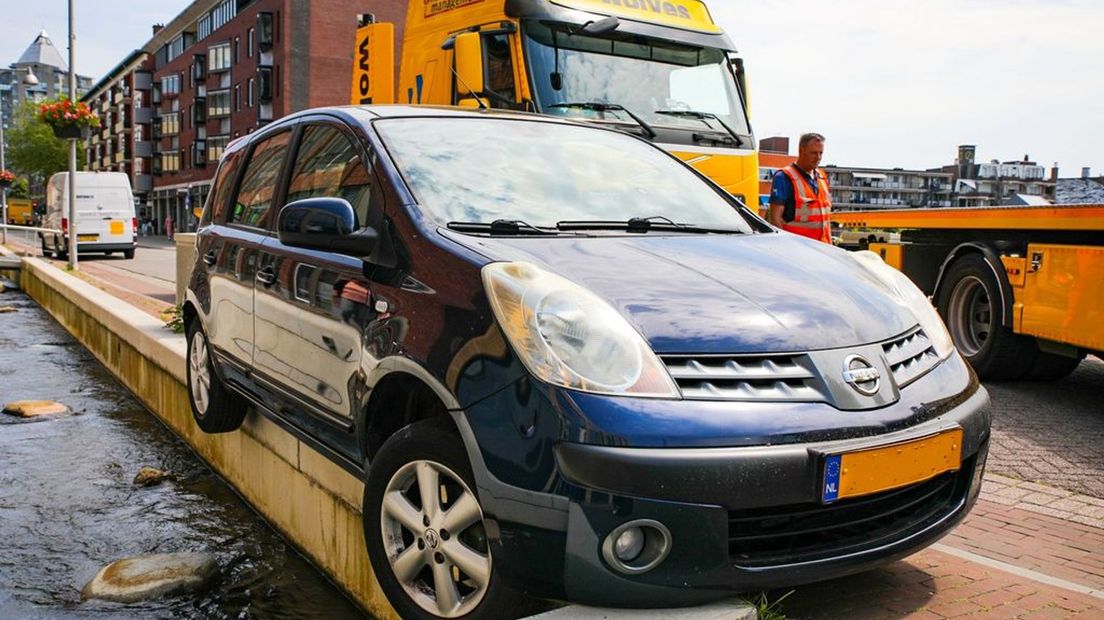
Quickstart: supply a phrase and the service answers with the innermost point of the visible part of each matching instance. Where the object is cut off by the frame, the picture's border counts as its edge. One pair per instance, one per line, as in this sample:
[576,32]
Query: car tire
[128,254]
[413,552]
[214,408]
[969,301]
[1051,367]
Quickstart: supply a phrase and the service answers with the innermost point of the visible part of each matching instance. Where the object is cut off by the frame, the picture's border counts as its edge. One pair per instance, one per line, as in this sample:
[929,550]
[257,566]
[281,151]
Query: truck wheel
[128,254]
[969,301]
[423,525]
[215,408]
[1051,367]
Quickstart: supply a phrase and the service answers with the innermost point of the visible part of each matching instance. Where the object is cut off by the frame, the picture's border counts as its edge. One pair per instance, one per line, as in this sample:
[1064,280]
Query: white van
[106,221]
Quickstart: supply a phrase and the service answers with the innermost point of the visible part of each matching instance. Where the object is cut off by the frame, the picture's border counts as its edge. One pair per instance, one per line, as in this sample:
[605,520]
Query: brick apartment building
[218,71]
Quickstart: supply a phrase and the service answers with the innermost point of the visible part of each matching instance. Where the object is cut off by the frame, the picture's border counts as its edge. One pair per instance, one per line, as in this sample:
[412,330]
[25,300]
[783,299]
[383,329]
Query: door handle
[210,258]
[267,276]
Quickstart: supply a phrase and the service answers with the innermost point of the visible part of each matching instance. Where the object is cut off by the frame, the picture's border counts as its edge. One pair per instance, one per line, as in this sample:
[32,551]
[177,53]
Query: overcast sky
[891,83]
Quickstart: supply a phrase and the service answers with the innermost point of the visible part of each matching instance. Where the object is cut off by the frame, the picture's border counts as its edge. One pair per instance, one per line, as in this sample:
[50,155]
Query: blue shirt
[782,192]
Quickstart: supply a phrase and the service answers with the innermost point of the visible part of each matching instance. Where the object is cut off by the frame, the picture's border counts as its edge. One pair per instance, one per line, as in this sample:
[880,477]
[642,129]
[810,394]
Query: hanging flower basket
[67,119]
[7,177]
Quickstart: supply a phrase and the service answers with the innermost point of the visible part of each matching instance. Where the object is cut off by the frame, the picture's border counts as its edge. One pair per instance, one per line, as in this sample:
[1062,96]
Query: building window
[218,57]
[237,50]
[249,42]
[170,124]
[218,104]
[170,86]
[215,147]
[174,48]
[249,93]
[170,161]
[266,30]
[237,97]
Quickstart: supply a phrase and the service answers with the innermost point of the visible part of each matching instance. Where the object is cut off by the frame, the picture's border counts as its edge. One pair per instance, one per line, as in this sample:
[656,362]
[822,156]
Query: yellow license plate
[87,237]
[116,227]
[864,472]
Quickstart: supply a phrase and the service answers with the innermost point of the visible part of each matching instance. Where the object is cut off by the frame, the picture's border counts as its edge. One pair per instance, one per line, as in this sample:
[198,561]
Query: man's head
[809,151]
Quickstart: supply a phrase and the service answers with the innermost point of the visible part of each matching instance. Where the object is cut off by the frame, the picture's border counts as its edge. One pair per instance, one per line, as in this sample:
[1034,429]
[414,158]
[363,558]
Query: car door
[311,318]
[237,252]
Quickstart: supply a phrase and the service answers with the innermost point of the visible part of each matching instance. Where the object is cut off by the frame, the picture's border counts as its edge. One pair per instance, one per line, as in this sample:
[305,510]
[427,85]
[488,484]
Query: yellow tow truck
[1020,288]
[662,69]
[20,212]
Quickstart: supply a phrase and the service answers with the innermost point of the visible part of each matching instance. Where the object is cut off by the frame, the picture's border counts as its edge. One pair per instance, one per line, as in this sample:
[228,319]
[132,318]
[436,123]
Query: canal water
[67,505]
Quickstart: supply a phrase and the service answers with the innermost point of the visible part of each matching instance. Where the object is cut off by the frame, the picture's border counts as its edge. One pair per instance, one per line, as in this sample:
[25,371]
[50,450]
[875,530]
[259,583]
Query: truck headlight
[907,294]
[568,336]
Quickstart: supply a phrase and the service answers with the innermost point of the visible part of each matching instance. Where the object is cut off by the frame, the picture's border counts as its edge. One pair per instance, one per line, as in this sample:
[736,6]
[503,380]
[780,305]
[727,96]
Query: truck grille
[910,357]
[788,378]
[779,536]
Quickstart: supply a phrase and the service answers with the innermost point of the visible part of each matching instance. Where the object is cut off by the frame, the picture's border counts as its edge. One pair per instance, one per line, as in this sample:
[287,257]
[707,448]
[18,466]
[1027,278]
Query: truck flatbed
[1057,217]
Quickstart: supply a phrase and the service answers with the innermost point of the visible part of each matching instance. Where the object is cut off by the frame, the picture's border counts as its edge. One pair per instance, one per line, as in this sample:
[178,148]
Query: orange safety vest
[812,209]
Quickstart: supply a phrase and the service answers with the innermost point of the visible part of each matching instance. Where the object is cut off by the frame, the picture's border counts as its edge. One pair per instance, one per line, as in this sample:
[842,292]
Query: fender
[1006,294]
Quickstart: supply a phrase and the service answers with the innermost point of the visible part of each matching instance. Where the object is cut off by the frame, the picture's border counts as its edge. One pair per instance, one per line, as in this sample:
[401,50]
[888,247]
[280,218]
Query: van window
[258,186]
[224,188]
[328,164]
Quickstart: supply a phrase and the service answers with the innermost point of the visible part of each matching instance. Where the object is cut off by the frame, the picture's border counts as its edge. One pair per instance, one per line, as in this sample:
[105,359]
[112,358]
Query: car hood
[764,293]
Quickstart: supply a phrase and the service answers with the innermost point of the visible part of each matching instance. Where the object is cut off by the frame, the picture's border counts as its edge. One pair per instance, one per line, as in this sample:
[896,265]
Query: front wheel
[215,408]
[423,524]
[970,303]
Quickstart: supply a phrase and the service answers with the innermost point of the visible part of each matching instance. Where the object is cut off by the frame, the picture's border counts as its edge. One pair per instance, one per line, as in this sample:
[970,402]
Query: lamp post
[30,80]
[72,147]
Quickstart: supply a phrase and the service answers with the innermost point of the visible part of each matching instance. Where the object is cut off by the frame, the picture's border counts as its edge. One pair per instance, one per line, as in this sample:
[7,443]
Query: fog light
[629,544]
[637,547]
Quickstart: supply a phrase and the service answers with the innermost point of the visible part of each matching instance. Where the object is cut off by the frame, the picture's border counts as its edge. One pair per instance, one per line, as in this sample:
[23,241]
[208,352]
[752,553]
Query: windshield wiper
[643,225]
[598,106]
[501,227]
[702,116]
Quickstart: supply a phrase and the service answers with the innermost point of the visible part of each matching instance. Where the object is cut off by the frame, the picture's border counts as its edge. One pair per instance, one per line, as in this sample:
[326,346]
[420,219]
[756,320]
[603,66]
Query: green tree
[32,148]
[19,189]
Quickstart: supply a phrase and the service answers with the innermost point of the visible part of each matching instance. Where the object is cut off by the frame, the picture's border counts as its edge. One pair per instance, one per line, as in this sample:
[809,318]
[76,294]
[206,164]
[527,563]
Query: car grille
[910,357]
[778,536]
[746,378]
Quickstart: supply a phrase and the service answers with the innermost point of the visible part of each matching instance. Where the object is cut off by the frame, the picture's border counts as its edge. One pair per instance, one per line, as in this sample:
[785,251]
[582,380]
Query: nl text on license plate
[87,237]
[864,472]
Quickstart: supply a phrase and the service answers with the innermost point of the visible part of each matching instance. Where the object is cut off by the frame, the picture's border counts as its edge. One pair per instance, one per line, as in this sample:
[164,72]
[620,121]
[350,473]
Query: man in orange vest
[800,200]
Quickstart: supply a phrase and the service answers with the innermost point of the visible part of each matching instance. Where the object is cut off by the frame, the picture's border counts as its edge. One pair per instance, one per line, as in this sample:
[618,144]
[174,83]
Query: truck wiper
[501,227]
[598,106]
[702,116]
[643,225]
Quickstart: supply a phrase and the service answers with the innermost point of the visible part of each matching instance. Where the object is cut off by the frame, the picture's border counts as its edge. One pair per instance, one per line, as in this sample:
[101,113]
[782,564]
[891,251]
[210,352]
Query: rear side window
[328,164]
[258,186]
[224,188]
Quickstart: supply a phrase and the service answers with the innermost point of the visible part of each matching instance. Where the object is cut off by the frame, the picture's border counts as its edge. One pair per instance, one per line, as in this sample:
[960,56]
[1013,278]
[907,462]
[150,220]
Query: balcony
[120,97]
[121,157]
[143,116]
[95,138]
[143,148]
[105,105]
[120,127]
[142,183]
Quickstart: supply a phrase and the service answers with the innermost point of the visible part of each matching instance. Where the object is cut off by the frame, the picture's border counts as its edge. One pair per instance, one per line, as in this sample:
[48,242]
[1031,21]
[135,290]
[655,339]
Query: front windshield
[645,76]
[541,173]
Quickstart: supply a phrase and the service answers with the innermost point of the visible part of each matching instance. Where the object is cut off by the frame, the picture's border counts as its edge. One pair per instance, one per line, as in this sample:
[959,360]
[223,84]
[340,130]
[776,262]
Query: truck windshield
[543,173]
[645,76]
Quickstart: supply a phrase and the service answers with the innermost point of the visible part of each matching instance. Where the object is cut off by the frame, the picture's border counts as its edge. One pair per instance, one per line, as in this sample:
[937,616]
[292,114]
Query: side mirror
[469,64]
[327,224]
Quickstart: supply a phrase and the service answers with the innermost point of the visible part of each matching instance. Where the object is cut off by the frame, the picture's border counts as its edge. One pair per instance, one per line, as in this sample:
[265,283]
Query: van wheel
[215,409]
[1051,367]
[128,254]
[969,301]
[423,524]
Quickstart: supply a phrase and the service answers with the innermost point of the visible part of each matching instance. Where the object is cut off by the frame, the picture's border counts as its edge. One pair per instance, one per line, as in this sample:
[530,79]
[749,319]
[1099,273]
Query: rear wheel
[423,524]
[970,303]
[215,408]
[128,254]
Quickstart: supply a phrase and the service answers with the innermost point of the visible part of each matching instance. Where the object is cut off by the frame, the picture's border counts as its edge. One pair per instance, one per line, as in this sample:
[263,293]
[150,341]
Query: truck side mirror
[469,64]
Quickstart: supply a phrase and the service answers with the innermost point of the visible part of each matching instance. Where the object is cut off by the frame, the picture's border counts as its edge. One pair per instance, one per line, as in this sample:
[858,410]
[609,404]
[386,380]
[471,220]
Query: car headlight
[907,294]
[568,336]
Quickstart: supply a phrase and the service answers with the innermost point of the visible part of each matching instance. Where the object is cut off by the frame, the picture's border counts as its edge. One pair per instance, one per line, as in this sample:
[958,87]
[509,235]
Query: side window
[224,189]
[329,165]
[258,186]
[499,69]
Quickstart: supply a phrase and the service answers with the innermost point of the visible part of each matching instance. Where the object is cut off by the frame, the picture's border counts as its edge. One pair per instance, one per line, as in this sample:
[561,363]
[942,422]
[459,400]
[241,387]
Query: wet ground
[67,505]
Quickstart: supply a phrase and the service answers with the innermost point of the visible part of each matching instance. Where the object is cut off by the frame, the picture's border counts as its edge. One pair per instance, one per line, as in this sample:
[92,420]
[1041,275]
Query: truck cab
[662,70]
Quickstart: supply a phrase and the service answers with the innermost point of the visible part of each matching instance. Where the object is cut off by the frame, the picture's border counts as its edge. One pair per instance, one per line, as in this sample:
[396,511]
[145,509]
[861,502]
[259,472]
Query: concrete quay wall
[312,502]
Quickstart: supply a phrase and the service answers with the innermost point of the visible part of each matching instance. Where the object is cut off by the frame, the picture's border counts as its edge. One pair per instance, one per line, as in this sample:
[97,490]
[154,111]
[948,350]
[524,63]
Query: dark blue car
[567,366]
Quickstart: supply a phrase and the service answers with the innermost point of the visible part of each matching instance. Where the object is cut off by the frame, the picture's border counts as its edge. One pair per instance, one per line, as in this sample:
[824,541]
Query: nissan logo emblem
[861,375]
